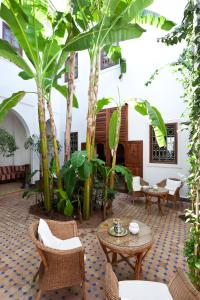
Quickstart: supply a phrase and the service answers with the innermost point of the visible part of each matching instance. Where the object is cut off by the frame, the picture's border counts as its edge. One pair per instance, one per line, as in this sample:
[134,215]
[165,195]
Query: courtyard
[19,259]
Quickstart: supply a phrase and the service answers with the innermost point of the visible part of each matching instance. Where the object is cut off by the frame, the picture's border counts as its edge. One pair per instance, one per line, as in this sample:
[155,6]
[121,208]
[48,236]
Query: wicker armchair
[179,287]
[58,268]
[139,194]
[176,195]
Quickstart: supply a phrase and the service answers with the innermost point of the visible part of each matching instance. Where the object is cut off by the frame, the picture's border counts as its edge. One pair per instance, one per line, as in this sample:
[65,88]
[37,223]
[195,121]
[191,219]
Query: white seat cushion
[143,290]
[172,185]
[49,240]
[136,184]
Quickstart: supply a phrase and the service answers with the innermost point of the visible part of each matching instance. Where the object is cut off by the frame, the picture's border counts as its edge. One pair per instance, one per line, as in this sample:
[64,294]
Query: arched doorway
[15,167]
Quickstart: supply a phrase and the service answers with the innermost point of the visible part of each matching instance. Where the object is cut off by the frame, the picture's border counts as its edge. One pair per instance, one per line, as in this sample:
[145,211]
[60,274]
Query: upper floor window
[166,154]
[74,141]
[106,62]
[75,71]
[10,38]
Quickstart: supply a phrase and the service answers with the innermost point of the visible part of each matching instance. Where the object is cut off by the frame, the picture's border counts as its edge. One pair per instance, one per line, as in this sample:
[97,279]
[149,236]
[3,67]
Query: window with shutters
[74,141]
[75,71]
[166,154]
[10,38]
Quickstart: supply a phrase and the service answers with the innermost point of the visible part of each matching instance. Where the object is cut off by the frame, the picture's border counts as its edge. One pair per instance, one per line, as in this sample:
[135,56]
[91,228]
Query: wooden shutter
[134,157]
[101,126]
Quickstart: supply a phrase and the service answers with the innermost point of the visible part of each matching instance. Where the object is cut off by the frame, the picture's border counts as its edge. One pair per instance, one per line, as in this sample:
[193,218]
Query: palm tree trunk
[91,126]
[69,105]
[55,144]
[44,149]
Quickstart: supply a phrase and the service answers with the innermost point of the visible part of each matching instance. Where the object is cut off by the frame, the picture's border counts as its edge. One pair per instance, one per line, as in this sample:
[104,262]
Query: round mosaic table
[131,245]
[160,193]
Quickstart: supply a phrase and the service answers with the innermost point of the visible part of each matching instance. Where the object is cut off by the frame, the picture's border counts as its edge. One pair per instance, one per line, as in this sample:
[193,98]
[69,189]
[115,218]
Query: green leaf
[197,264]
[85,170]
[152,18]
[62,194]
[24,75]
[8,52]
[68,210]
[156,120]
[157,124]
[107,36]
[101,103]
[9,103]
[127,175]
[77,159]
[75,102]
[70,181]
[62,89]
[113,129]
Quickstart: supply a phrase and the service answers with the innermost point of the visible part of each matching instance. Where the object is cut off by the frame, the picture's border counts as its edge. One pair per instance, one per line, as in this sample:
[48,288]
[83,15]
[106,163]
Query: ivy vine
[188,65]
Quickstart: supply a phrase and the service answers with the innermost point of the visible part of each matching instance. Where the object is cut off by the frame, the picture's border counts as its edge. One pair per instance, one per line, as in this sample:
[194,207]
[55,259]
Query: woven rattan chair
[176,196]
[138,194]
[58,268]
[179,287]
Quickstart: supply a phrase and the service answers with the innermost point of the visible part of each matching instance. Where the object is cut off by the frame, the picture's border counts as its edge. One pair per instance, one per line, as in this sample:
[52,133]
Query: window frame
[111,63]
[76,64]
[6,27]
[73,132]
[175,161]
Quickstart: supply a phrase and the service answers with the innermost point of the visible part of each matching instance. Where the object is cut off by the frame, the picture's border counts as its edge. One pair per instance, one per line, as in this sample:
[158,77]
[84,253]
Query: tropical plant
[40,36]
[103,23]
[7,143]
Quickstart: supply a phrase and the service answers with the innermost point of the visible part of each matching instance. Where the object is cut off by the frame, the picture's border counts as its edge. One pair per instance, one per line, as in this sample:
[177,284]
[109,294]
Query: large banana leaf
[105,36]
[8,52]
[9,103]
[148,17]
[156,120]
[113,129]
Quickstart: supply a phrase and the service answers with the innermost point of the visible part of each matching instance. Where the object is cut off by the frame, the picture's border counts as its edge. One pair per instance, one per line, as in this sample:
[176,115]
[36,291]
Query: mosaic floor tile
[19,260]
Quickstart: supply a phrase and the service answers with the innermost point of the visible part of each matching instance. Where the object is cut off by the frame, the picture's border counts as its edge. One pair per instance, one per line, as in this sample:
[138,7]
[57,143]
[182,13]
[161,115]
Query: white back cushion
[172,185]
[136,183]
[49,240]
[143,290]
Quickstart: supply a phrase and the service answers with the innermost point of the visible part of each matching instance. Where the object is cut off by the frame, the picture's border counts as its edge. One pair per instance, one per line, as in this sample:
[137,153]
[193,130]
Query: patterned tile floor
[19,260]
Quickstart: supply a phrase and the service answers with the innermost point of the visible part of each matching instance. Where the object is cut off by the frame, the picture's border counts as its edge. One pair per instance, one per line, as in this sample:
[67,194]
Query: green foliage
[127,175]
[113,129]
[102,103]
[188,65]
[7,143]
[65,204]
[9,103]
[156,120]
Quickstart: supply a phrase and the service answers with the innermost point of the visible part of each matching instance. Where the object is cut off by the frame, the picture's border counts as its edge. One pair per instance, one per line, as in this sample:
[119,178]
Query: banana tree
[44,59]
[145,109]
[104,23]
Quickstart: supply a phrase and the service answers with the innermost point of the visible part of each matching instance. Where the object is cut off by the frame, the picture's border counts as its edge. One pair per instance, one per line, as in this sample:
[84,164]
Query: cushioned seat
[143,290]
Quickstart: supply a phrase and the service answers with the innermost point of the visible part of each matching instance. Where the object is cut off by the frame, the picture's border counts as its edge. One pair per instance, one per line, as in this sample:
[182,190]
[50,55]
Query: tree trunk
[55,144]
[114,155]
[91,126]
[44,149]
[69,105]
